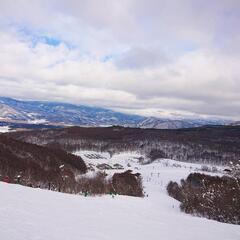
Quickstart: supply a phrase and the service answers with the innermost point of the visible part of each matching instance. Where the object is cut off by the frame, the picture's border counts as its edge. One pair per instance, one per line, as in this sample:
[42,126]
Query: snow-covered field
[34,214]
[4,129]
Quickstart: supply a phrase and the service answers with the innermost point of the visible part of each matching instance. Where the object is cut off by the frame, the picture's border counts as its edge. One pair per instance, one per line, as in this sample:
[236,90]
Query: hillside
[37,165]
[35,214]
[62,114]
[206,144]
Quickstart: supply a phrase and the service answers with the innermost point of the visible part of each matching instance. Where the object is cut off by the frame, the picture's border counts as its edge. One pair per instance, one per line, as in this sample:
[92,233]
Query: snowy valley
[69,160]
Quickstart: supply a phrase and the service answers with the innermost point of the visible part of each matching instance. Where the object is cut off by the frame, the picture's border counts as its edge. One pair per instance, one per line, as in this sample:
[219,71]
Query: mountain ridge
[67,114]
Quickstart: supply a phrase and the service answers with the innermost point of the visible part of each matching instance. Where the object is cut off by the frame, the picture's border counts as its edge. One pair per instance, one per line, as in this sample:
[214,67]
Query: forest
[215,144]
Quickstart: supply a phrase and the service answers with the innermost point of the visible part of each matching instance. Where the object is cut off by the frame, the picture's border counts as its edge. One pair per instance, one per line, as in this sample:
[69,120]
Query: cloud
[137,58]
[140,56]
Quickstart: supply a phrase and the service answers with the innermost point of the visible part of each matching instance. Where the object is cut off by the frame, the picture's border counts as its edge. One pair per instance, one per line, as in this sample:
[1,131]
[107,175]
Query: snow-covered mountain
[237,123]
[7,112]
[62,113]
[41,112]
[158,123]
[153,122]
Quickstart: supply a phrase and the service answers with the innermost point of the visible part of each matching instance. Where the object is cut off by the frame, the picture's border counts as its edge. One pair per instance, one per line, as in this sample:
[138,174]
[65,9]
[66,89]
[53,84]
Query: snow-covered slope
[34,214]
[70,114]
[7,112]
[63,113]
[152,122]
[4,129]
[158,123]
[237,123]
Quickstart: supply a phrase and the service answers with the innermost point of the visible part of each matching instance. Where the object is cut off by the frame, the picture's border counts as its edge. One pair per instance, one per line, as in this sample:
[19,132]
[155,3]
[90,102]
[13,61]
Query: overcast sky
[151,57]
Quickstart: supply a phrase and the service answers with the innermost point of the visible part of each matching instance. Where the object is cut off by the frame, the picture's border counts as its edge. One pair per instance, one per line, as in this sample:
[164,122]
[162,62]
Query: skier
[18,179]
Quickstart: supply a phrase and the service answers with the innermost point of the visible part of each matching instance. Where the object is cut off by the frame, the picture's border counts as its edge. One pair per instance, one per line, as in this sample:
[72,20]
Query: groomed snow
[35,214]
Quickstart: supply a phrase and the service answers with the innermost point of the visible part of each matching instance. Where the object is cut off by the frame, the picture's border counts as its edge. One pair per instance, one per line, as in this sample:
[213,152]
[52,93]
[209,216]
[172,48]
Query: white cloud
[140,56]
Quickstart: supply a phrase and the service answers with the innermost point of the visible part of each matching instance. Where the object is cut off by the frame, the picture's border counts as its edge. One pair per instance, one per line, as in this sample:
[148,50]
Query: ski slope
[35,214]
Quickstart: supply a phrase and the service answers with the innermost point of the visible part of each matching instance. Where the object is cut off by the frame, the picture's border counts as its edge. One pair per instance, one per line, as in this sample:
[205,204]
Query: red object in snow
[6,179]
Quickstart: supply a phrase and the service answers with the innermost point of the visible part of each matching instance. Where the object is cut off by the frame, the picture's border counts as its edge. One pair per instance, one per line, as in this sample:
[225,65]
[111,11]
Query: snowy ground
[34,214]
[4,129]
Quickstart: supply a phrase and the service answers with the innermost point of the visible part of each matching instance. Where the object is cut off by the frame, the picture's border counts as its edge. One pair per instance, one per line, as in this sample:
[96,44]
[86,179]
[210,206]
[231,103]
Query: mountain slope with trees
[206,144]
[34,165]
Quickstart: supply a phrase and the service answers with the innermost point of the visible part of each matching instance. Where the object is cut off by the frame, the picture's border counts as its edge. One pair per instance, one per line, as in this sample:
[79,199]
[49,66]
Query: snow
[4,129]
[37,121]
[104,157]
[35,214]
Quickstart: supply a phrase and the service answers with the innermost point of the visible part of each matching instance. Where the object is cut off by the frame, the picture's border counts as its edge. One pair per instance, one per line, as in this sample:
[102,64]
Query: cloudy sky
[152,57]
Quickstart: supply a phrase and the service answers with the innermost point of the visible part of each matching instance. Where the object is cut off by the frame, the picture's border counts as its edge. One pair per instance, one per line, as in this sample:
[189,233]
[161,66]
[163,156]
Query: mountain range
[65,114]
